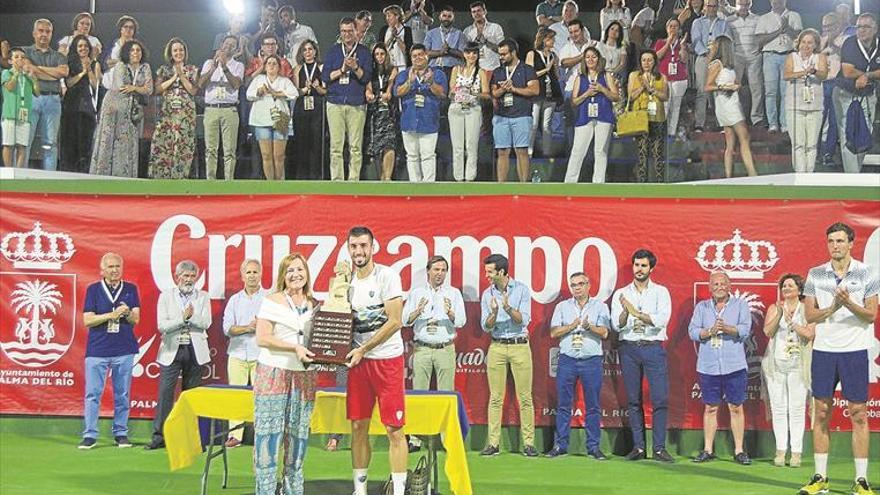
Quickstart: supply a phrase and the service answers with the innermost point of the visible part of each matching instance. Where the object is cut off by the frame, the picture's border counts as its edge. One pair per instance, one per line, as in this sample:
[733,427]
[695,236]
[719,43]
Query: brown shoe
[232,443]
[332,445]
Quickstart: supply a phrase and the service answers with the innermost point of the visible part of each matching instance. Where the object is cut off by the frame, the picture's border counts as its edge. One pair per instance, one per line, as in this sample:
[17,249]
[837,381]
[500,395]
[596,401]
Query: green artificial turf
[50,464]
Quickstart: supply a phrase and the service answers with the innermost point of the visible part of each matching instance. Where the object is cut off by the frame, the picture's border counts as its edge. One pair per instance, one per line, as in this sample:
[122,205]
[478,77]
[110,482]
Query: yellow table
[426,414]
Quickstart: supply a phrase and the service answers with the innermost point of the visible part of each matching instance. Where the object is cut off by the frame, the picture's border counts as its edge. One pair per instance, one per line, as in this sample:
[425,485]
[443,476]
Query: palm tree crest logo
[36,302]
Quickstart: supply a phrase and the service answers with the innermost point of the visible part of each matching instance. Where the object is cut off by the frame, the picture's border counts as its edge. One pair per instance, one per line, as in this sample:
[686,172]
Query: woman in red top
[673,53]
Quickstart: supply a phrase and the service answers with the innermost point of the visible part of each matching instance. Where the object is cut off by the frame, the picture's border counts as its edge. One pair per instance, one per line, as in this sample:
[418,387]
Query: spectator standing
[270,114]
[775,34]
[383,113]
[616,10]
[513,86]
[398,38]
[308,113]
[543,59]
[221,77]
[804,71]
[127,27]
[83,24]
[294,33]
[743,24]
[487,34]
[79,115]
[704,30]
[468,86]
[673,54]
[649,90]
[19,87]
[50,67]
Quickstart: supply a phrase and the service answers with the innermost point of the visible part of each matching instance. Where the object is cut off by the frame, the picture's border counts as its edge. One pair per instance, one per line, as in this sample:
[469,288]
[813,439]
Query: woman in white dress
[804,69]
[721,80]
[786,368]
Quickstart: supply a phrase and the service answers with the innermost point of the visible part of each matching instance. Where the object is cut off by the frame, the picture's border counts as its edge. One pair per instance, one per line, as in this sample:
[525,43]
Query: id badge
[431,327]
[673,69]
[652,108]
[639,327]
[808,94]
[548,87]
[23,115]
[113,326]
[175,103]
[508,99]
[308,103]
[184,339]
[220,93]
[420,101]
[344,79]
[577,340]
[593,110]
[715,341]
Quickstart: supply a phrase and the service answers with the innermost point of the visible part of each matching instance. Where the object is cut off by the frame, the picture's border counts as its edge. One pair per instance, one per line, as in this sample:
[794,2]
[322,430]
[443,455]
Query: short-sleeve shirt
[843,331]
[595,313]
[368,296]
[100,300]
[770,22]
[743,29]
[48,58]
[493,33]
[548,9]
[522,74]
[22,97]
[420,108]
[453,37]
[851,53]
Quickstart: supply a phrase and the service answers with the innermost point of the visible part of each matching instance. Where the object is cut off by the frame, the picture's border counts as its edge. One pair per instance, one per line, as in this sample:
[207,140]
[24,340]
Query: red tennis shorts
[377,379]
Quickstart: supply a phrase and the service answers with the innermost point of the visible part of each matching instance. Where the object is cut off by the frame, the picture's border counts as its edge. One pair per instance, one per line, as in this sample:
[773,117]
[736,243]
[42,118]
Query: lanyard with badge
[508,97]
[865,53]
[309,99]
[715,341]
[300,310]
[592,105]
[345,79]
[183,338]
[652,100]
[792,343]
[433,325]
[23,112]
[548,88]
[808,93]
[577,335]
[418,97]
[220,92]
[112,325]
[672,68]
[638,324]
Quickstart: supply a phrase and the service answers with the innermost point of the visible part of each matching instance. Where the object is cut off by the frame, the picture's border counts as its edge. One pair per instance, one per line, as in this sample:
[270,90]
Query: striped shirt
[743,29]
[843,331]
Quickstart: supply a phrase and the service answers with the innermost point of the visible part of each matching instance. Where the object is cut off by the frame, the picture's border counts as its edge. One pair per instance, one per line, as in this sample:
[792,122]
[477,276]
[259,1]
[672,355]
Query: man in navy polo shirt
[110,312]
[421,90]
[721,324]
[347,69]
[513,87]
[857,79]
[581,323]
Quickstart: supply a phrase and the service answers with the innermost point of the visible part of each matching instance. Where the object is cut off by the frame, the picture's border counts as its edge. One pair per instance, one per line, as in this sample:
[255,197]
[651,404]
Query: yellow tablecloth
[426,414]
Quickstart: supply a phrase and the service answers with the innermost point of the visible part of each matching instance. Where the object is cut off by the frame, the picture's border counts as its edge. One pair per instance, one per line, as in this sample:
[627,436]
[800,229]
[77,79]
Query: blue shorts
[511,132]
[269,133]
[730,387]
[850,369]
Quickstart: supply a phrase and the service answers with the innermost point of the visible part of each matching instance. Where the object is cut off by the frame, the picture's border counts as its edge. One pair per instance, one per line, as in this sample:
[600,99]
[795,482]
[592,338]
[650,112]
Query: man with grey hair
[49,67]
[240,325]
[743,23]
[183,316]
[569,13]
[110,312]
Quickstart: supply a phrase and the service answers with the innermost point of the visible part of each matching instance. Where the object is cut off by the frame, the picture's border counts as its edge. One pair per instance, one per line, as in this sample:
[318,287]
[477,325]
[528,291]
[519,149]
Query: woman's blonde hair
[809,32]
[280,282]
[600,67]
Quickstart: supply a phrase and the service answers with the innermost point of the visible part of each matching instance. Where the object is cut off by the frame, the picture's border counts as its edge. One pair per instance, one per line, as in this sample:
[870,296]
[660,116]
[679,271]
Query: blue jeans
[120,368]
[589,370]
[45,119]
[774,88]
[649,361]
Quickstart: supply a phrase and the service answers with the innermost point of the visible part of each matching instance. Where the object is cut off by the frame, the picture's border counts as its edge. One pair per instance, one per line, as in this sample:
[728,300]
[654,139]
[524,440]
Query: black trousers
[184,363]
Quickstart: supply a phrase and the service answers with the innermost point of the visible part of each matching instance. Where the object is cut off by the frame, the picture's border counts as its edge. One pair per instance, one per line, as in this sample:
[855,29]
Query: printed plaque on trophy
[331,335]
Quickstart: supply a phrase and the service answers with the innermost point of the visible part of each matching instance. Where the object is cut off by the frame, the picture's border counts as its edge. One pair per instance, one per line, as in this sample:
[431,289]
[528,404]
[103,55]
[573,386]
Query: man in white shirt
[221,78]
[183,315]
[642,31]
[376,363]
[435,312]
[572,54]
[775,35]
[240,325]
[294,33]
[487,34]
[841,299]
[747,55]
[640,312]
[569,13]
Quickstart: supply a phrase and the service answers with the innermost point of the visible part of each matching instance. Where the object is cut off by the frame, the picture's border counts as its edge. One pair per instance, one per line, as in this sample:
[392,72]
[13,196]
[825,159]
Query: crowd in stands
[372,99]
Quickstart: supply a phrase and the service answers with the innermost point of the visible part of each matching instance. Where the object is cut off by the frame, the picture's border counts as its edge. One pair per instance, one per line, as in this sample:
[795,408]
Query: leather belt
[49,93]
[221,105]
[433,346]
[512,340]
[641,343]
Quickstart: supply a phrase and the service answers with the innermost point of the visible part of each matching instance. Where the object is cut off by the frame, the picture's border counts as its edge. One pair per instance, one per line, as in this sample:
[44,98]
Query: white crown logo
[761,257]
[26,249]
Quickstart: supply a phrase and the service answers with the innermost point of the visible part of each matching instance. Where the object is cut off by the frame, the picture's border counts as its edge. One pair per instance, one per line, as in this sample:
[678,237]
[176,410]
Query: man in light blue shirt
[240,325]
[505,313]
[721,325]
[445,44]
[581,323]
[703,31]
[640,312]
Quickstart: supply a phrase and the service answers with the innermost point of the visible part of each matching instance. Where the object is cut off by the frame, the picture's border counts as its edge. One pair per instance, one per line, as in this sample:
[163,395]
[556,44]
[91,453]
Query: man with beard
[294,33]
[445,44]
[221,79]
[513,87]
[640,312]
[841,299]
[111,310]
[183,316]
[376,363]
[435,311]
[485,33]
[721,325]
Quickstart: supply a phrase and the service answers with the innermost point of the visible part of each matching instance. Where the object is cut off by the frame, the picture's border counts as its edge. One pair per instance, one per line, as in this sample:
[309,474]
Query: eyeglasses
[269,43]
[864,26]
[579,284]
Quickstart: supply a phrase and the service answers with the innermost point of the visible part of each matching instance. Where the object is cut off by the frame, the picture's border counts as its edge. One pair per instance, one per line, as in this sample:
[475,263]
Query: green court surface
[45,461]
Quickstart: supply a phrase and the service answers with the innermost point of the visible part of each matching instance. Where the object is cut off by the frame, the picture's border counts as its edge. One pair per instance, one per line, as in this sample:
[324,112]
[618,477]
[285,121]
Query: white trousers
[464,132]
[421,156]
[788,405]
[803,130]
[676,94]
[583,136]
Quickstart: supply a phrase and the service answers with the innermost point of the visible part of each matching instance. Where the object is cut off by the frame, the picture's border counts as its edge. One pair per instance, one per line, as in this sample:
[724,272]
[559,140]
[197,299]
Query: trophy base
[331,337]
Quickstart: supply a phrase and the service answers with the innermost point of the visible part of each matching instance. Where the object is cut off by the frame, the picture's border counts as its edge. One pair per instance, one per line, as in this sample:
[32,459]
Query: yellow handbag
[632,122]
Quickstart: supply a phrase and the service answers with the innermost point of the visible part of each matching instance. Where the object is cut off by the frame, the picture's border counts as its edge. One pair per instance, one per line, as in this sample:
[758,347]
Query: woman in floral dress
[174,139]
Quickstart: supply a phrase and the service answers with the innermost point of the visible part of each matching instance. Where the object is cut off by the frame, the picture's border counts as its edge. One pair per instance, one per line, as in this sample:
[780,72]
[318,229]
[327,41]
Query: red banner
[52,244]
